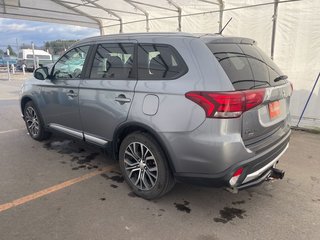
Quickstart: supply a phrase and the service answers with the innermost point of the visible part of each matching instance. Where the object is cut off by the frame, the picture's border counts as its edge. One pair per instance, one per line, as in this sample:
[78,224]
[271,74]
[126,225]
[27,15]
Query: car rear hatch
[249,68]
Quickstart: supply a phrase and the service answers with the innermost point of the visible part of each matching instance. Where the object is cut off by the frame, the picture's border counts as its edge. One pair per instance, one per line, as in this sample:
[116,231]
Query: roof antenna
[225,26]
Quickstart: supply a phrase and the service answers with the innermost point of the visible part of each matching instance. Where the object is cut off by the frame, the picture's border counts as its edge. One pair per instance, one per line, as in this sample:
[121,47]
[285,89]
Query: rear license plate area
[274,109]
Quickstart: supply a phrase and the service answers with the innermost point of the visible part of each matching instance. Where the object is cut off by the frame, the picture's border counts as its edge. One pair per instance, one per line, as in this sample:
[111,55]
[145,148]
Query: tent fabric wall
[297,41]
[298,54]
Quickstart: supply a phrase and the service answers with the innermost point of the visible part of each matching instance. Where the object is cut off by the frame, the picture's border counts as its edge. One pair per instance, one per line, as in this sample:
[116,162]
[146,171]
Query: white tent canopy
[288,30]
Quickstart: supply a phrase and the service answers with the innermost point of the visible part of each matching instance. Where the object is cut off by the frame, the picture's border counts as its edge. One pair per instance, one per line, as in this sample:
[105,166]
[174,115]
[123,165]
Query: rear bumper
[255,170]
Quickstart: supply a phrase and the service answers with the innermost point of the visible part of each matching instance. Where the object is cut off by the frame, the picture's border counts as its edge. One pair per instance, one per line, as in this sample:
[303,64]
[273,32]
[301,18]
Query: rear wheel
[34,122]
[144,166]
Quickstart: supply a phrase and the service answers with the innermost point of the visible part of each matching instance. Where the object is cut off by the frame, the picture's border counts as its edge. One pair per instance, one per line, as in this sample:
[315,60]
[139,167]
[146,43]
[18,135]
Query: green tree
[57,47]
[26,46]
[12,53]
[1,52]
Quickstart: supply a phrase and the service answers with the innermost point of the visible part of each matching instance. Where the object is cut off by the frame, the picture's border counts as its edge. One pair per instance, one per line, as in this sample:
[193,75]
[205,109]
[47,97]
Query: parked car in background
[5,60]
[208,109]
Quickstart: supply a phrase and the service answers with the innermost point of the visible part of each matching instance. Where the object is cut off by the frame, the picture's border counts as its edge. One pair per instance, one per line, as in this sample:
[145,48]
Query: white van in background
[26,57]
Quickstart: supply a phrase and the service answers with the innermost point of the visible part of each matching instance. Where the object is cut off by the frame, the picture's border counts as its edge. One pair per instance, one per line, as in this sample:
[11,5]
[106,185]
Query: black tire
[32,116]
[153,157]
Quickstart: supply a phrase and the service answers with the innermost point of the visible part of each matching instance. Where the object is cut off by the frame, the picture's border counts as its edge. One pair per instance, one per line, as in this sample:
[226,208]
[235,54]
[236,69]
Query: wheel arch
[24,101]
[127,128]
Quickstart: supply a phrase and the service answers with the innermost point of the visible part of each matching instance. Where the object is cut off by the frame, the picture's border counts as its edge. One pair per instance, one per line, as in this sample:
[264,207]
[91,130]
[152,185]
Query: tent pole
[221,6]
[143,11]
[310,95]
[101,28]
[179,10]
[80,12]
[274,27]
[108,11]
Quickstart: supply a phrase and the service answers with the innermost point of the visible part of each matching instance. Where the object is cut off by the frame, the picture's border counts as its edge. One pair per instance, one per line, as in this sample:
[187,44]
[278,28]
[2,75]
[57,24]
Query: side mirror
[41,73]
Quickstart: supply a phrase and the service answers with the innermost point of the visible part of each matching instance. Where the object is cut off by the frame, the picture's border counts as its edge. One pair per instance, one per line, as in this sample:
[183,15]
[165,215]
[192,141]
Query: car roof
[206,37]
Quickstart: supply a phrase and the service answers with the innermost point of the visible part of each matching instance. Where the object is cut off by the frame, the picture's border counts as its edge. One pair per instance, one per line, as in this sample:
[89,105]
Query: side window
[273,69]
[71,64]
[113,61]
[159,62]
[235,64]
[258,65]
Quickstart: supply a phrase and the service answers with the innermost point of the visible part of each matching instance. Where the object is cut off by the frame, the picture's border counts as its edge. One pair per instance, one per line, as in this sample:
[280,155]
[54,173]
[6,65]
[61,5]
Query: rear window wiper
[281,77]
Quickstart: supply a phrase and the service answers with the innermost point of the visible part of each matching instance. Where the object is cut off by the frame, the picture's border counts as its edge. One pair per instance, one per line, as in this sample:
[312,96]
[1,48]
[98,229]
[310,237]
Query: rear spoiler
[237,40]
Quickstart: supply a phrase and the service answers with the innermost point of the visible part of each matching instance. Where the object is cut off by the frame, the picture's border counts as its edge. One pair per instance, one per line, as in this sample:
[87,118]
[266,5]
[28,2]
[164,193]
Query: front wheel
[144,166]
[34,122]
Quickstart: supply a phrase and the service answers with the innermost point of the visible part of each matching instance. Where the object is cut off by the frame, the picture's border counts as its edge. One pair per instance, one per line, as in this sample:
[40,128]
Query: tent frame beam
[110,12]
[154,6]
[71,22]
[209,12]
[220,3]
[4,6]
[179,10]
[77,5]
[82,13]
[143,11]
[41,9]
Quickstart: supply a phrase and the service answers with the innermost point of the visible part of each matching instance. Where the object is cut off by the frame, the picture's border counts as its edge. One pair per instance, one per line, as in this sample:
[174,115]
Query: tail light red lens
[227,104]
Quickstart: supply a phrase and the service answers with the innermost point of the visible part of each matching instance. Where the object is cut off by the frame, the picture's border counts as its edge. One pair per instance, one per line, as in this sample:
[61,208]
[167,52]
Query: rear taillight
[227,104]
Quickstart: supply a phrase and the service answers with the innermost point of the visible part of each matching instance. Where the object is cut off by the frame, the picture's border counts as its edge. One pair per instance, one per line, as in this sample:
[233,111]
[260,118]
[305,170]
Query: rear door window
[113,61]
[246,65]
[159,62]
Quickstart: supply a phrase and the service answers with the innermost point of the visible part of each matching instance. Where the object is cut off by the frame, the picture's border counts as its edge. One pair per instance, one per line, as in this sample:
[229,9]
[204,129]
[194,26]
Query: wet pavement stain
[78,167]
[78,154]
[118,179]
[207,237]
[113,185]
[227,214]
[183,207]
[105,176]
[238,202]
[87,159]
[315,179]
[132,194]
[63,147]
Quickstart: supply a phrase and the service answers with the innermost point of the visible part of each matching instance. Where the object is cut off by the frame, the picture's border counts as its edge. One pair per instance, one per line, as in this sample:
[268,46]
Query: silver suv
[170,107]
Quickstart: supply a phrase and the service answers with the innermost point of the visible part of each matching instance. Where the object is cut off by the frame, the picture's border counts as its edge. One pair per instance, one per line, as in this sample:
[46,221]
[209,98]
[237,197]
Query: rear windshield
[246,65]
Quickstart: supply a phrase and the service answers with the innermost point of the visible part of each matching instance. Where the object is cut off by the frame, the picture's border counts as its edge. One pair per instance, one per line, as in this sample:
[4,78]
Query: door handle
[122,99]
[71,94]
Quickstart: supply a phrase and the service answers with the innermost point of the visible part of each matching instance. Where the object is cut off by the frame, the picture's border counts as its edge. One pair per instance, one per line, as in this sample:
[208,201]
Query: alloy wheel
[140,166]
[32,121]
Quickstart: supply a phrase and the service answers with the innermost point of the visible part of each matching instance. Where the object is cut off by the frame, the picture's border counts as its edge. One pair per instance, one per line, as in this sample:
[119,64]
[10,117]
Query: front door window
[71,64]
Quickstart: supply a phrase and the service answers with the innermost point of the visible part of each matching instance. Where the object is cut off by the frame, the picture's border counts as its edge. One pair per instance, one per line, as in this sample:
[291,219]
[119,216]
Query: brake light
[227,104]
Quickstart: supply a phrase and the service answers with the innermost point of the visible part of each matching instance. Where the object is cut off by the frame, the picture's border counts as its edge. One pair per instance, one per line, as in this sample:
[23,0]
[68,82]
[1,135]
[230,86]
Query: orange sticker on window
[274,109]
